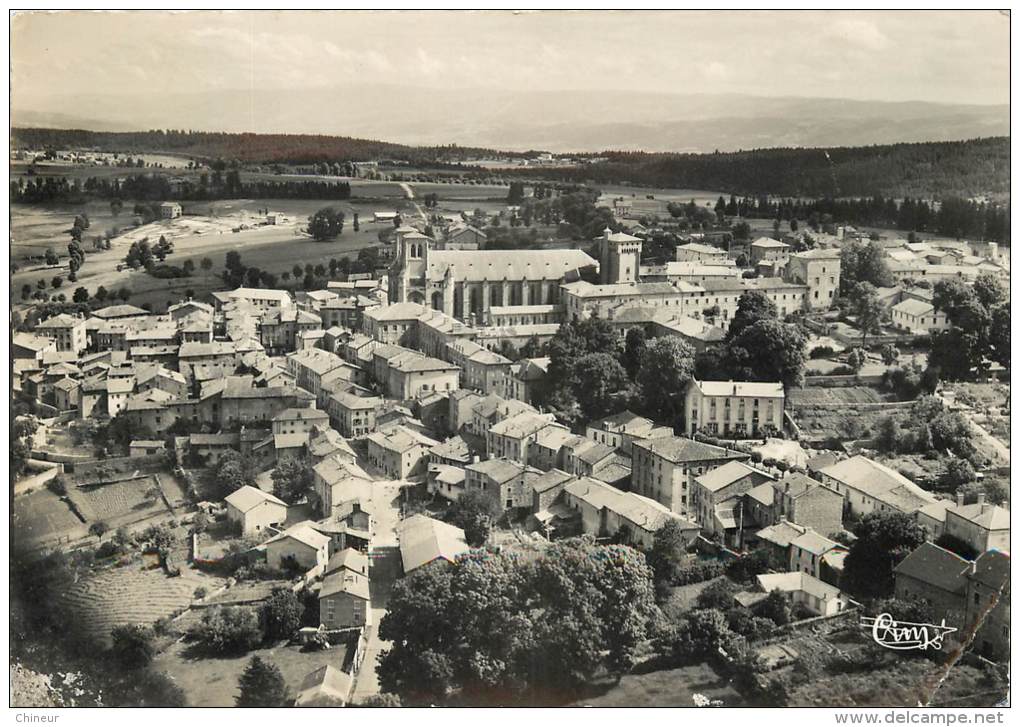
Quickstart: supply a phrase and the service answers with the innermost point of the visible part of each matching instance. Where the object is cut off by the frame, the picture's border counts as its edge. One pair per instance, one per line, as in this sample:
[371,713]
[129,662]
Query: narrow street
[384,570]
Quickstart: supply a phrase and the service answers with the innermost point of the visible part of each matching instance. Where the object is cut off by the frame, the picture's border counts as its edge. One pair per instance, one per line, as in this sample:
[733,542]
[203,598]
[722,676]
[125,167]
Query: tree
[597,377]
[81,295]
[99,528]
[666,368]
[957,472]
[51,257]
[292,480]
[498,629]
[776,608]
[262,685]
[753,306]
[955,354]
[856,359]
[206,264]
[866,309]
[633,350]
[475,512]
[998,335]
[233,629]
[133,646]
[883,540]
[988,290]
[326,224]
[233,472]
[863,263]
[719,594]
[699,634]
[668,551]
[124,294]
[188,267]
[101,294]
[282,614]
[890,354]
[768,351]
[57,281]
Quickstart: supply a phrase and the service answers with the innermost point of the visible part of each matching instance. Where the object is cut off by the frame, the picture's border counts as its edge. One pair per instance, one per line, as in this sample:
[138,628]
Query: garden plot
[816,395]
[132,594]
[41,517]
[121,503]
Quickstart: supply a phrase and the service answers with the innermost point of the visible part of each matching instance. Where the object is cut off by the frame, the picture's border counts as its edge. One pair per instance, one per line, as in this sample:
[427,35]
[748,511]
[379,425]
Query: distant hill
[561,121]
[978,167]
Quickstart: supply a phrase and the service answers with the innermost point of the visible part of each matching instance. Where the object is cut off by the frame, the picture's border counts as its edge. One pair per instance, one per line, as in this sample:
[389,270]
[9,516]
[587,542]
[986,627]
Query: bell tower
[620,257]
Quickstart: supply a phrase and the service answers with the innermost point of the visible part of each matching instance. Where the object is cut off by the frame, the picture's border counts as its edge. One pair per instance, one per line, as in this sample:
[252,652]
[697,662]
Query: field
[132,594]
[204,231]
[120,503]
[823,396]
[42,517]
[211,681]
[667,688]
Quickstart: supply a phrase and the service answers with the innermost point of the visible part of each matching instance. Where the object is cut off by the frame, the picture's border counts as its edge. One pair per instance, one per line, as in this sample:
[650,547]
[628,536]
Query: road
[384,570]
[409,191]
[949,400]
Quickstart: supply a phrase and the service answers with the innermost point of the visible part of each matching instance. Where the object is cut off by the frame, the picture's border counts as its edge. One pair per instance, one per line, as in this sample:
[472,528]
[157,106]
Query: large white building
[733,408]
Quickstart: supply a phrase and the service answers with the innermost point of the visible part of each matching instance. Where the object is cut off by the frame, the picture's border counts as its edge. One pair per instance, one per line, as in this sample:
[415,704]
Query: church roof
[512,265]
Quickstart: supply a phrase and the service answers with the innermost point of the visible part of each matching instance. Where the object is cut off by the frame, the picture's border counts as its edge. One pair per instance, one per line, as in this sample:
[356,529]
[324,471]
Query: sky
[942,56]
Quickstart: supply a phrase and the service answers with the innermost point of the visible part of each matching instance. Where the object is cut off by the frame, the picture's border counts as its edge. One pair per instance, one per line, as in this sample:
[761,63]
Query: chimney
[981,499]
[959,499]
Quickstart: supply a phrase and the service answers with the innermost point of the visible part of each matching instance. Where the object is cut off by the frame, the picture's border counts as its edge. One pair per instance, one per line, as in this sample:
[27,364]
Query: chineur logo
[906,635]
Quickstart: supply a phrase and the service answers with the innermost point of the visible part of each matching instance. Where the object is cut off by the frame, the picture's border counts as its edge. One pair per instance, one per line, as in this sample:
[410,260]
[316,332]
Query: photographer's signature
[905,635]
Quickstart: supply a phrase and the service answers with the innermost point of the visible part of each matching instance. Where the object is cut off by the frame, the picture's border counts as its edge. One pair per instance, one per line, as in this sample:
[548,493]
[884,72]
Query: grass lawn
[666,688]
[211,681]
[40,516]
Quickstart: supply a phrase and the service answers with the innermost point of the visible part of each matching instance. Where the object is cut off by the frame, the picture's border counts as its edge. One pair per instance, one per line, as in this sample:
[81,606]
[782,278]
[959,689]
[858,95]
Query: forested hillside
[927,170]
[245,148]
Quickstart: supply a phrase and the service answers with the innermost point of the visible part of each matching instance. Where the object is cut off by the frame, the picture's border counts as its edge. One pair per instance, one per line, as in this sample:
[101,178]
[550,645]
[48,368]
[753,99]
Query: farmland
[667,688]
[41,517]
[211,681]
[121,503]
[133,594]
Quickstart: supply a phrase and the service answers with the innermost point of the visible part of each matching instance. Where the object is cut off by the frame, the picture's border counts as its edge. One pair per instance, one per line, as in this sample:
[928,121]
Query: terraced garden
[121,503]
[133,595]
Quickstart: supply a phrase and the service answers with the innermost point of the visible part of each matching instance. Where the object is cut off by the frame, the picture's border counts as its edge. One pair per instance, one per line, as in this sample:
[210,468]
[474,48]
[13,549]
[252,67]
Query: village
[260,471]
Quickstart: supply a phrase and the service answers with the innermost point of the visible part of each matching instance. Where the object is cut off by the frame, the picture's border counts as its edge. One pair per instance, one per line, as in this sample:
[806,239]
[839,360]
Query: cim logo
[905,635]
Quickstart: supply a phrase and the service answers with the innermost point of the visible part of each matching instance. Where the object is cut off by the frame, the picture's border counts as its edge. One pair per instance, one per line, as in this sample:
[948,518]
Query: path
[384,570]
[409,191]
[1001,449]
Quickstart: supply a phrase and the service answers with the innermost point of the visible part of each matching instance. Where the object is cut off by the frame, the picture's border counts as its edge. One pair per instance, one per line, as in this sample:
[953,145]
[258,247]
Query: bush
[822,352]
[233,629]
[718,595]
[133,646]
[698,571]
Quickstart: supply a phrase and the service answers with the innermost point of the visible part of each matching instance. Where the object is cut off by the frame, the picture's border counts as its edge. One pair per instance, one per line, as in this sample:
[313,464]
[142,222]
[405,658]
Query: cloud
[860,32]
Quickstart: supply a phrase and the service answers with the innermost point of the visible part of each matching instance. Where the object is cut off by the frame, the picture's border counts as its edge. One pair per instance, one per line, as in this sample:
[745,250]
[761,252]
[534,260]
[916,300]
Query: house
[327,686]
[819,270]
[300,421]
[807,551]
[505,481]
[546,489]
[620,431]
[733,408]
[777,538]
[805,501]
[932,517]
[66,394]
[982,526]
[353,413]
[697,253]
[254,511]
[337,482]
[916,316]
[820,598]
[765,249]
[526,379]
[939,577]
[66,330]
[301,545]
[424,540]
[400,453]
[715,487]
[327,442]
[664,468]
[605,511]
[446,480]
[344,599]
[170,210]
[868,486]
[145,447]
[511,437]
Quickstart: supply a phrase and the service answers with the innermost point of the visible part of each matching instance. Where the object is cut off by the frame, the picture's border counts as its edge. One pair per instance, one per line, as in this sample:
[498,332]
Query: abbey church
[467,284]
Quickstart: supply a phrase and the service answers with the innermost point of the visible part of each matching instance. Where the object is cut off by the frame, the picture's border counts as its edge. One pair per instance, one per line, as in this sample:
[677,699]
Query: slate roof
[424,540]
[937,567]
[248,497]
